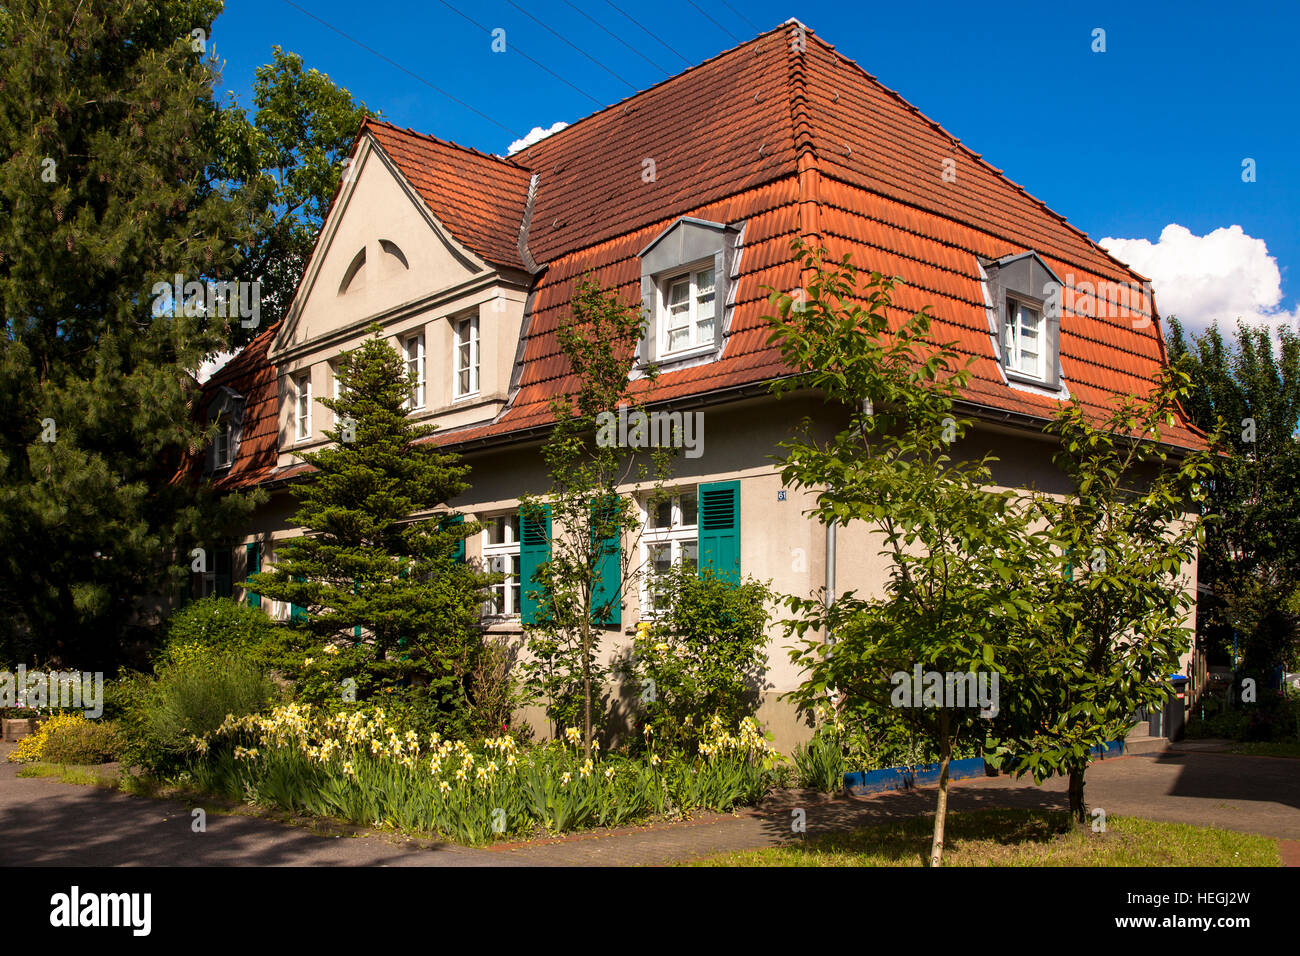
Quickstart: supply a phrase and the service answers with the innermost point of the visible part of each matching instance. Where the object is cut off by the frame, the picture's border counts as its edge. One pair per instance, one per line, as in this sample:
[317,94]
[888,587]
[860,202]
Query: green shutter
[224,576]
[606,597]
[296,611]
[534,551]
[719,516]
[446,523]
[252,565]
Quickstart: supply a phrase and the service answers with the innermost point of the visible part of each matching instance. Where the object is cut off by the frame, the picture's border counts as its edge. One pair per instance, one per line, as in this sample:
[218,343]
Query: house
[685,196]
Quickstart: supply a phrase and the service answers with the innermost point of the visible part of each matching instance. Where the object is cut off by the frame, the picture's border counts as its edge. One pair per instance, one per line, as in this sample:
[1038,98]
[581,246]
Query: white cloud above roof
[1224,275]
[534,135]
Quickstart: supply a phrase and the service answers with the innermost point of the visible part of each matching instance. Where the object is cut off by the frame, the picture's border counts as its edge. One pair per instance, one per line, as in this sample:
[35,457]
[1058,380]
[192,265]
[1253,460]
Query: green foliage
[1113,586]
[217,624]
[1249,393]
[961,556]
[703,656]
[69,739]
[286,162]
[106,114]
[82,742]
[363,769]
[363,563]
[589,518]
[186,700]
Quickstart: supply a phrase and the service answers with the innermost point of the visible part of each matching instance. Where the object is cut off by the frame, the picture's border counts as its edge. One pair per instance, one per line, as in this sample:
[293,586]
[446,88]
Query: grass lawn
[1018,838]
[1286,748]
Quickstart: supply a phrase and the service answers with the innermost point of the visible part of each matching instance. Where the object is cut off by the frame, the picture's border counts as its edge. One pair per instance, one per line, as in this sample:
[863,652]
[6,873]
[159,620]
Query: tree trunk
[941,809]
[1078,809]
[586,690]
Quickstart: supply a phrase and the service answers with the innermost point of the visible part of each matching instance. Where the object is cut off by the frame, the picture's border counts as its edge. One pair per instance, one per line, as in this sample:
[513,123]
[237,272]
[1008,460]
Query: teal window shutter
[224,576]
[606,596]
[719,511]
[252,565]
[534,551]
[296,611]
[460,545]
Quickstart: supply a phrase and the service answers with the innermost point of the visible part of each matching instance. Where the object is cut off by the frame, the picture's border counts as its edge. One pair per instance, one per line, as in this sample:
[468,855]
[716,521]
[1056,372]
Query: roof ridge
[406,130]
[977,157]
[666,80]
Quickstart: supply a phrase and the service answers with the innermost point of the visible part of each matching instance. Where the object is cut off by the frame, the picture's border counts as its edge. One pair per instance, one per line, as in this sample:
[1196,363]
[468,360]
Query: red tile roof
[791,143]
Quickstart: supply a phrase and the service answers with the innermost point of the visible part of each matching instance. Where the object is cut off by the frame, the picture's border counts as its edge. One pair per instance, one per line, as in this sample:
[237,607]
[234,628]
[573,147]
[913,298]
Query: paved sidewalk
[46,822]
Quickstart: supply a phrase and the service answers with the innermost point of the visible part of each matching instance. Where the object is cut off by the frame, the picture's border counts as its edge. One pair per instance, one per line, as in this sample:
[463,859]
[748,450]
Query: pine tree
[367,575]
[107,115]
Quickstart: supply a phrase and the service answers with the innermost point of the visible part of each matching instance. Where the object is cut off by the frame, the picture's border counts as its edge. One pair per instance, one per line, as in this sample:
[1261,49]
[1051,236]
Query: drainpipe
[830,573]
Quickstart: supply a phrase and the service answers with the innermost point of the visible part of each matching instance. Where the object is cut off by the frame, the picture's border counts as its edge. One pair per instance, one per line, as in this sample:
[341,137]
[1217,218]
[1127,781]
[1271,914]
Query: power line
[581,12]
[563,39]
[713,21]
[410,73]
[649,34]
[516,49]
[751,23]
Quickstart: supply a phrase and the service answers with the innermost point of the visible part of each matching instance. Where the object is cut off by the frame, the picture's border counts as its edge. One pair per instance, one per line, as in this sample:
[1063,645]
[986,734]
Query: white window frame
[677,536]
[471,323]
[225,436]
[415,399]
[302,426]
[508,550]
[1012,344]
[692,276]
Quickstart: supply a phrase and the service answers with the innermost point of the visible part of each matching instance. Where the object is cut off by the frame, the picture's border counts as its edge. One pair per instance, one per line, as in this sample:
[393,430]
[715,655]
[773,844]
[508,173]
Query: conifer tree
[106,113]
[394,591]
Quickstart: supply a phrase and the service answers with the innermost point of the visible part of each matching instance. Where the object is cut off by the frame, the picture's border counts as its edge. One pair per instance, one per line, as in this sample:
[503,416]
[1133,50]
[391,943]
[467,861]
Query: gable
[381,248]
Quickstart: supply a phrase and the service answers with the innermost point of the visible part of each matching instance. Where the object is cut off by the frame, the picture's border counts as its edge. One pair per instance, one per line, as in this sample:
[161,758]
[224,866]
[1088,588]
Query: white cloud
[214,365]
[534,134]
[1224,275]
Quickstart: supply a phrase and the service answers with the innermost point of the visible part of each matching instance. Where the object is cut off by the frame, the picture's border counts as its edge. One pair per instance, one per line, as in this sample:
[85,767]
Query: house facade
[685,197]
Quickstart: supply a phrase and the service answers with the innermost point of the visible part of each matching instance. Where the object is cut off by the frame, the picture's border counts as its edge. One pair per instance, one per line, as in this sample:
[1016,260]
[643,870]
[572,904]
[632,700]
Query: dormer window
[688,311]
[685,286]
[223,445]
[1023,301]
[227,411]
[1024,337]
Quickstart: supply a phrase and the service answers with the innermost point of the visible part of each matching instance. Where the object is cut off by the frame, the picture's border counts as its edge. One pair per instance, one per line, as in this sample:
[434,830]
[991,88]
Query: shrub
[188,699]
[221,624]
[702,657]
[70,739]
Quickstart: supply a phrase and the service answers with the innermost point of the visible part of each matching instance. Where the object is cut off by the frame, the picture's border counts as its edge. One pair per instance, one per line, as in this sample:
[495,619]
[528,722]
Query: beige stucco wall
[779,543]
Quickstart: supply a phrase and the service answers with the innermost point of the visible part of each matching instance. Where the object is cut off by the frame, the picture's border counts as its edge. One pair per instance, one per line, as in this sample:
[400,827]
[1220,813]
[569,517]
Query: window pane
[661,557]
[661,515]
[464,382]
[690,554]
[678,294]
[678,339]
[690,508]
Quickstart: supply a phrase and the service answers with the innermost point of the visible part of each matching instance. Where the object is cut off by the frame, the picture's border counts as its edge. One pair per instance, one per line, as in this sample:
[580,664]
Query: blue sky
[1143,143]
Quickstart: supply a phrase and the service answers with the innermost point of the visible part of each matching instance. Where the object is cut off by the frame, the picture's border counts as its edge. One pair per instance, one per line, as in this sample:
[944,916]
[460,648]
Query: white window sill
[468,396]
[667,357]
